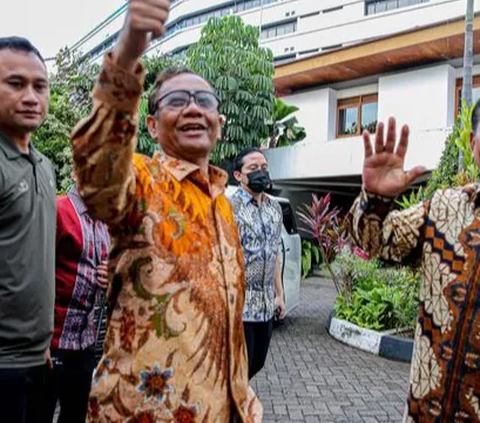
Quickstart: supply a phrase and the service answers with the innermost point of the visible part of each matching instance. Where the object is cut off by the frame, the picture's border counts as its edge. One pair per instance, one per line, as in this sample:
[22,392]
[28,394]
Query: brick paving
[310,377]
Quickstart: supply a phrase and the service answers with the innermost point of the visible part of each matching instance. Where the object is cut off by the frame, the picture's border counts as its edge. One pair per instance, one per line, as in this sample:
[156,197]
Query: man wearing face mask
[259,220]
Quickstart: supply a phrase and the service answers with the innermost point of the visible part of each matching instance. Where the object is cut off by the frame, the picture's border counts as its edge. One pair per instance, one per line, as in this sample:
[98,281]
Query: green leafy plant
[70,101]
[380,298]
[447,172]
[310,257]
[229,56]
[415,197]
[284,128]
[462,141]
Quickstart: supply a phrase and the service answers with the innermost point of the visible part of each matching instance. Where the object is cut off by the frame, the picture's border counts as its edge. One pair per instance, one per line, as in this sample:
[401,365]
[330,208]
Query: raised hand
[145,20]
[383,172]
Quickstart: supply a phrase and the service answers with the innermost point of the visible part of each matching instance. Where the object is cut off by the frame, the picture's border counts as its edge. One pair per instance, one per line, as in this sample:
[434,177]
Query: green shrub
[310,257]
[447,172]
[376,297]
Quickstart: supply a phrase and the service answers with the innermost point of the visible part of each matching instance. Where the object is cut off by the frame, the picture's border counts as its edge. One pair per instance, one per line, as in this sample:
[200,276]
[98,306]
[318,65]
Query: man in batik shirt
[259,220]
[444,233]
[175,348]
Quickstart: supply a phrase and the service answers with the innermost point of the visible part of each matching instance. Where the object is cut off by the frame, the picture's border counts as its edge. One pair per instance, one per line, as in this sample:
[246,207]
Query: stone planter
[384,344]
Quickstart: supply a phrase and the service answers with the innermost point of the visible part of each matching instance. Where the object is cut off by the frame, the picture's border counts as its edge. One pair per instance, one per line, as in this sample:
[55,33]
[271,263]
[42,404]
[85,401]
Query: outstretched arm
[104,143]
[379,230]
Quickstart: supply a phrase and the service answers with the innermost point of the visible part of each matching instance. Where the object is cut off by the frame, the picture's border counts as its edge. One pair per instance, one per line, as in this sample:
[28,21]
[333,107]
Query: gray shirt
[27,255]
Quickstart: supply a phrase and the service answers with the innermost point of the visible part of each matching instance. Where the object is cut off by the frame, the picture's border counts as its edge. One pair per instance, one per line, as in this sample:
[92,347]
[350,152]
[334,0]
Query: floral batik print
[444,234]
[260,229]
[174,349]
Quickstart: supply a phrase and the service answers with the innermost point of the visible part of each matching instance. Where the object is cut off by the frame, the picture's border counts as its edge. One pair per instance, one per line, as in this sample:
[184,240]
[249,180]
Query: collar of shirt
[248,198]
[12,152]
[78,202]
[181,169]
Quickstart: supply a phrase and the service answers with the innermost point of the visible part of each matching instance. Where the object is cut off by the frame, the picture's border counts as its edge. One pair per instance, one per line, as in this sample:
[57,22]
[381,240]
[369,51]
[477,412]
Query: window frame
[371,5]
[458,90]
[358,101]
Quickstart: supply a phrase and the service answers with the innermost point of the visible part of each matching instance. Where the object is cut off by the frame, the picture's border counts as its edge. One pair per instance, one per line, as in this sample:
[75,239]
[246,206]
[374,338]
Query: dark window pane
[378,6]
[348,124]
[475,97]
[392,4]
[381,6]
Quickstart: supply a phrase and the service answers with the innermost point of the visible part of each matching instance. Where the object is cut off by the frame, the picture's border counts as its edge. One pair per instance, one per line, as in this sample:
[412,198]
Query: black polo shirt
[27,255]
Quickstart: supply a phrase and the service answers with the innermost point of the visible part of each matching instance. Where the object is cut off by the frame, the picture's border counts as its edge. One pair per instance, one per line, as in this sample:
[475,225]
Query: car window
[288,218]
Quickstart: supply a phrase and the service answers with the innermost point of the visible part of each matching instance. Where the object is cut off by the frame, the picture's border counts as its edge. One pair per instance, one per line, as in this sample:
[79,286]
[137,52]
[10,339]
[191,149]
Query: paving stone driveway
[310,377]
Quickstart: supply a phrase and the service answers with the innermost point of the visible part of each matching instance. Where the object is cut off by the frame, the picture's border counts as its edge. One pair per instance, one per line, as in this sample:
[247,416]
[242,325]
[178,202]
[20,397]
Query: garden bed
[384,344]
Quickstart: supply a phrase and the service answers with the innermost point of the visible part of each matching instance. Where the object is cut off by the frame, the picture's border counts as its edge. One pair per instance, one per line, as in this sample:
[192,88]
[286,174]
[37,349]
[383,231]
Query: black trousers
[257,336]
[70,382]
[22,395]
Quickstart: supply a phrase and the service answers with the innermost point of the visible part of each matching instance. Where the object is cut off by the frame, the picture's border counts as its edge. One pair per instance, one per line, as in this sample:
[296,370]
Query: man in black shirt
[27,234]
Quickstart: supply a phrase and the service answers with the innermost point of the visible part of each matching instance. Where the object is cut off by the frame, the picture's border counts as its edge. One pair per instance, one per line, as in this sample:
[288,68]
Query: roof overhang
[422,46]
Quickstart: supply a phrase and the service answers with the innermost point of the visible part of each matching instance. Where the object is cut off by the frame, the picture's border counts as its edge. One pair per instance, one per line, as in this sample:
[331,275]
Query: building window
[280,60]
[278,30]
[234,7]
[458,93]
[378,6]
[356,114]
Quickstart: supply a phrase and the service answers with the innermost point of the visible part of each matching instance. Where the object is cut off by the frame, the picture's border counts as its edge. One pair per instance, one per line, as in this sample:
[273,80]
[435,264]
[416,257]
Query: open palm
[383,169]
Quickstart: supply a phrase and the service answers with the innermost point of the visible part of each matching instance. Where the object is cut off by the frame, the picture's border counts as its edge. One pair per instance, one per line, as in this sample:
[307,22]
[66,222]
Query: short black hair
[476,117]
[238,162]
[19,44]
[163,77]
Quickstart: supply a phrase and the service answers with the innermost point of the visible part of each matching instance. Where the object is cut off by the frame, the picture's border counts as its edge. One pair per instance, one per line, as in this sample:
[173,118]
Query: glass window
[279,30]
[348,121]
[381,6]
[392,4]
[475,94]
[357,114]
[378,6]
[370,8]
[369,116]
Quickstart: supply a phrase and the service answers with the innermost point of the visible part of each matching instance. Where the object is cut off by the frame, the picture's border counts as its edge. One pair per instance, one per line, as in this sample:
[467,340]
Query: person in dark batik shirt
[442,233]
[259,220]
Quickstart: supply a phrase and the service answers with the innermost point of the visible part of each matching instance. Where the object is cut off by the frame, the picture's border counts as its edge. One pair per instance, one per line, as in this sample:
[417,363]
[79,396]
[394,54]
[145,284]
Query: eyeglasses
[180,99]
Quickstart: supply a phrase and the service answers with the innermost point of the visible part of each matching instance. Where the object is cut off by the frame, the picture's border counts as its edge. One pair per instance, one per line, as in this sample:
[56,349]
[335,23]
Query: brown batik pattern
[444,233]
[175,348]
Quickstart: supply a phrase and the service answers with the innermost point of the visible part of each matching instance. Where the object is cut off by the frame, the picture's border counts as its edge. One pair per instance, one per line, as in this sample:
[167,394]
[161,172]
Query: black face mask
[259,181]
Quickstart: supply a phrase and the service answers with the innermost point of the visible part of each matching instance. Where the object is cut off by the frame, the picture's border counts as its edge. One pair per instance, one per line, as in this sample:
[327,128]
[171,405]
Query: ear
[221,120]
[152,126]
[237,175]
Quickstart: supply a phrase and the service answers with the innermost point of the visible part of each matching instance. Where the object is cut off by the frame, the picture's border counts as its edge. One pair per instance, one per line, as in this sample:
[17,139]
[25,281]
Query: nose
[192,108]
[30,95]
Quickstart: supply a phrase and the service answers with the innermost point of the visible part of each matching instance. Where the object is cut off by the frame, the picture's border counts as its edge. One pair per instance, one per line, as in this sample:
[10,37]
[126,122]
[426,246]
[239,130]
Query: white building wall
[423,98]
[322,24]
[315,112]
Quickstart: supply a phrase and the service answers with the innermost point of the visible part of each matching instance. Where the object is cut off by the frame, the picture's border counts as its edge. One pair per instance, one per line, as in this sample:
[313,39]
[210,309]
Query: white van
[291,252]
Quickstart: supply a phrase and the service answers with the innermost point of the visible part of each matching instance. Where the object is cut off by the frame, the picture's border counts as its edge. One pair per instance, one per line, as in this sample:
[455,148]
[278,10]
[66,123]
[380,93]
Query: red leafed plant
[330,230]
